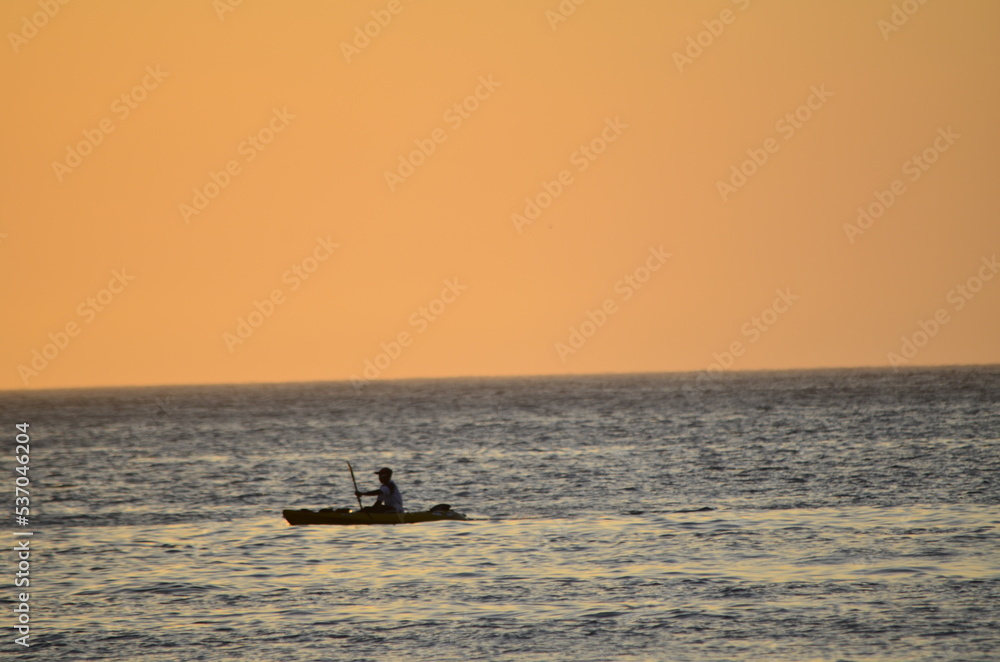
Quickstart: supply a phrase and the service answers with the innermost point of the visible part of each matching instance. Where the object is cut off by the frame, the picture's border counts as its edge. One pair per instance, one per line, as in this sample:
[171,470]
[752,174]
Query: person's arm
[372,493]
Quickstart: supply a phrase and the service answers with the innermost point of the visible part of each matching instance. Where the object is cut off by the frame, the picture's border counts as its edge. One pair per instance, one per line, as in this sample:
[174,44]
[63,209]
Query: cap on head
[385,471]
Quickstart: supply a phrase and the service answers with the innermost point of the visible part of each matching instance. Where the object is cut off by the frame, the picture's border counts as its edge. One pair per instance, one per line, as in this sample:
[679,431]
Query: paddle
[355,485]
[360,507]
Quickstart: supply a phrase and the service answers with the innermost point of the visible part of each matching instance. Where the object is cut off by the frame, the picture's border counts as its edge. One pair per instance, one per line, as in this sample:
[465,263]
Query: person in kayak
[389,498]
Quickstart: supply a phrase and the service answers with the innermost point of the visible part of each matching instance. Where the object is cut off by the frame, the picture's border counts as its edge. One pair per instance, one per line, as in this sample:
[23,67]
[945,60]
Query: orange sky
[649,251]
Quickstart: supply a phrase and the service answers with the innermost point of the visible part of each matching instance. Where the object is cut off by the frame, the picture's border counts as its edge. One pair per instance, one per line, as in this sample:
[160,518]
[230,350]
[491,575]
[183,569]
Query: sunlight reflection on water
[522,569]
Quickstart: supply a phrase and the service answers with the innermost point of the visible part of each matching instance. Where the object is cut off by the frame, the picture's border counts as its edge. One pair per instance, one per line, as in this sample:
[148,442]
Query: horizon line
[347,381]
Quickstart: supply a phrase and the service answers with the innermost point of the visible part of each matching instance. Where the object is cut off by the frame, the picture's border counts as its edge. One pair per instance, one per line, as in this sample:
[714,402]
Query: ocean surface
[814,515]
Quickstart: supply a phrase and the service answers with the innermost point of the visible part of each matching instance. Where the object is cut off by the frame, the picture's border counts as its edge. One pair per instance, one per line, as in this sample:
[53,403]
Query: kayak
[346,516]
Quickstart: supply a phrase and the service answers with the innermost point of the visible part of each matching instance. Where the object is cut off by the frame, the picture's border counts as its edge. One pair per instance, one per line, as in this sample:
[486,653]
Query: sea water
[820,515]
